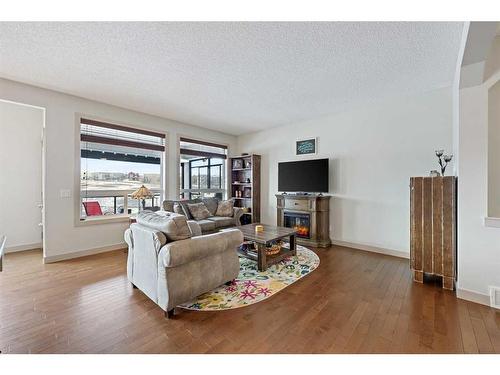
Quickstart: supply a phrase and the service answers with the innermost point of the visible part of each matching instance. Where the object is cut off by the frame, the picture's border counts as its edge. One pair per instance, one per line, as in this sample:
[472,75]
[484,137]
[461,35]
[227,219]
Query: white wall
[62,236]
[478,244]
[373,151]
[20,175]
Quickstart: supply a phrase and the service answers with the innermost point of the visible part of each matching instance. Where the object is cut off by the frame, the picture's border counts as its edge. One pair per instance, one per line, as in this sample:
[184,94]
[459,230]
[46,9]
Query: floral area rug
[253,286]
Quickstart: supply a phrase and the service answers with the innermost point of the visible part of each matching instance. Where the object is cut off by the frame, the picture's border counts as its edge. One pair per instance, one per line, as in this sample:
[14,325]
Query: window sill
[492,222]
[103,220]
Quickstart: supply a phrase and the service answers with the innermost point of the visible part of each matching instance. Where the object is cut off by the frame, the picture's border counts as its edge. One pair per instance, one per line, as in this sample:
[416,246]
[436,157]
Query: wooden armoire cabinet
[433,207]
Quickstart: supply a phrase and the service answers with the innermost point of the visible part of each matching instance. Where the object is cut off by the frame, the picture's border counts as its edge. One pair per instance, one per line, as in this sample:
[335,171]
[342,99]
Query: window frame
[77,201]
[209,174]
[225,187]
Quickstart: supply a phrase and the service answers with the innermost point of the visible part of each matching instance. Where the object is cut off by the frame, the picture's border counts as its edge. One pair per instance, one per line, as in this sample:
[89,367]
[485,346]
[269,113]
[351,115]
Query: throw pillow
[179,210]
[184,204]
[211,204]
[168,206]
[225,208]
[198,210]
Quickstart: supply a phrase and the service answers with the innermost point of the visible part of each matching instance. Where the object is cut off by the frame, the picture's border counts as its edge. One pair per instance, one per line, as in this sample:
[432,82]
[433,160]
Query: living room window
[115,161]
[202,169]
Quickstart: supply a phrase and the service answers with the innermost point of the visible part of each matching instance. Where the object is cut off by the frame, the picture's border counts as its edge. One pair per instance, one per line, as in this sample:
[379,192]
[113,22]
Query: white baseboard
[373,249]
[470,295]
[83,253]
[15,249]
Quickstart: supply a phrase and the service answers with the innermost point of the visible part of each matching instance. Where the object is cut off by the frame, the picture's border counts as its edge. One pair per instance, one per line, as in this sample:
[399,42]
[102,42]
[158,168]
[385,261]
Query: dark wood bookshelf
[245,178]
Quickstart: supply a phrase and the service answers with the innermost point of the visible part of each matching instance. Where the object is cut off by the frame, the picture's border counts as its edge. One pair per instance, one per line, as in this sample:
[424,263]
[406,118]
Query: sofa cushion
[206,225]
[203,248]
[174,226]
[211,204]
[222,221]
[195,228]
[198,210]
[168,206]
[225,208]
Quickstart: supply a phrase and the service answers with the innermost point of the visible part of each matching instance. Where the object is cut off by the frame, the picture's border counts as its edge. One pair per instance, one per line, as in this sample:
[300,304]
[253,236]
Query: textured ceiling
[232,77]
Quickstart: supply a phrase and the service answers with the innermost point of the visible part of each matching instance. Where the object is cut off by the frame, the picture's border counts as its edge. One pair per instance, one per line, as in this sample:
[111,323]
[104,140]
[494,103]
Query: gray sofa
[172,262]
[211,224]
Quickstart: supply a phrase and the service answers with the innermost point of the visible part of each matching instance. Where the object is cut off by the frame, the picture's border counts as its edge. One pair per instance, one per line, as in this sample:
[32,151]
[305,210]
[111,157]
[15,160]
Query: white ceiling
[232,77]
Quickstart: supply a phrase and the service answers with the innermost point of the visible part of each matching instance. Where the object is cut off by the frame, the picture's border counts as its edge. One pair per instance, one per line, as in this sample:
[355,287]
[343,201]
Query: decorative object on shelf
[443,160]
[306,146]
[259,228]
[248,164]
[141,194]
[245,219]
[237,164]
[434,173]
[248,181]
[247,193]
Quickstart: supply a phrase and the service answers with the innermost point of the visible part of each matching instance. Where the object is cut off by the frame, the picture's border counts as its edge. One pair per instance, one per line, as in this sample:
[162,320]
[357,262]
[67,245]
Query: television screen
[309,176]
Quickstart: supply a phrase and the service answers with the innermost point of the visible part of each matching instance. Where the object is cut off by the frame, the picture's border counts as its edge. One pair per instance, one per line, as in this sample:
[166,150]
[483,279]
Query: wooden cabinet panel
[433,228]
[297,204]
[437,235]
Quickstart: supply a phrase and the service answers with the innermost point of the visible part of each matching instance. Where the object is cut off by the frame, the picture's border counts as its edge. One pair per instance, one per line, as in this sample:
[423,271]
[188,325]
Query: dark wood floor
[355,302]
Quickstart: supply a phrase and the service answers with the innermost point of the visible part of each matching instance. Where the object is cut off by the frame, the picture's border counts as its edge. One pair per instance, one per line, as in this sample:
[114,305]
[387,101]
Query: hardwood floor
[355,302]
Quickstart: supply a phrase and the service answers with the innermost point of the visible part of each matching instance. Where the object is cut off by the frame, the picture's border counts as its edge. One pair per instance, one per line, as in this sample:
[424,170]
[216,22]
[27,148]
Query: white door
[21,129]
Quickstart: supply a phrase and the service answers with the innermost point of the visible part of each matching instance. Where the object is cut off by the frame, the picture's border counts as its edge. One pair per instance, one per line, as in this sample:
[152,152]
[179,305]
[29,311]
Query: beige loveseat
[212,223]
[171,262]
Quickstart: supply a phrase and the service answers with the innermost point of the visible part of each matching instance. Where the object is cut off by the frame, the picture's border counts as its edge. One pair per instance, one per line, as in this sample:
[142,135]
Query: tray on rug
[253,286]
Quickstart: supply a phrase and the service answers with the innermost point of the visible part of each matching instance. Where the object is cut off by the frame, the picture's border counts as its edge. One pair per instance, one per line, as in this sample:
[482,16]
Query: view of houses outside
[99,174]
[114,179]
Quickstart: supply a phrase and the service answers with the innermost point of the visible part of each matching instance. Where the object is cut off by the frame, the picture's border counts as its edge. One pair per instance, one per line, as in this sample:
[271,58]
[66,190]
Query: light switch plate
[65,193]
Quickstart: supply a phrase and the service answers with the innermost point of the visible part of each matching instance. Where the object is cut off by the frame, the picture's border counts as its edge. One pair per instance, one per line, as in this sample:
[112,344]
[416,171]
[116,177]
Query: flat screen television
[308,176]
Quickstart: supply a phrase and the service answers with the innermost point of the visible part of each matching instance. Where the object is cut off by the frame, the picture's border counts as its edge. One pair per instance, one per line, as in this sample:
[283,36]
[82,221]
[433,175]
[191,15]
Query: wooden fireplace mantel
[318,209]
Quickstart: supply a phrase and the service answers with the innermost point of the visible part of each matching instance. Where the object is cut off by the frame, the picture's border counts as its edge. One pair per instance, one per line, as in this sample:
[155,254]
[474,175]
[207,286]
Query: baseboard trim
[31,246]
[373,249]
[83,253]
[470,295]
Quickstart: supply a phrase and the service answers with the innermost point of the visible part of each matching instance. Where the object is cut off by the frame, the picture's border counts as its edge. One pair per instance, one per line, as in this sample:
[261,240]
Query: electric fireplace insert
[299,222]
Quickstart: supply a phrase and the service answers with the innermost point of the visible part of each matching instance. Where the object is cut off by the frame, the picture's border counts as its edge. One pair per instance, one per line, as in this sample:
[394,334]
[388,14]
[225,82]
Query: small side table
[263,238]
